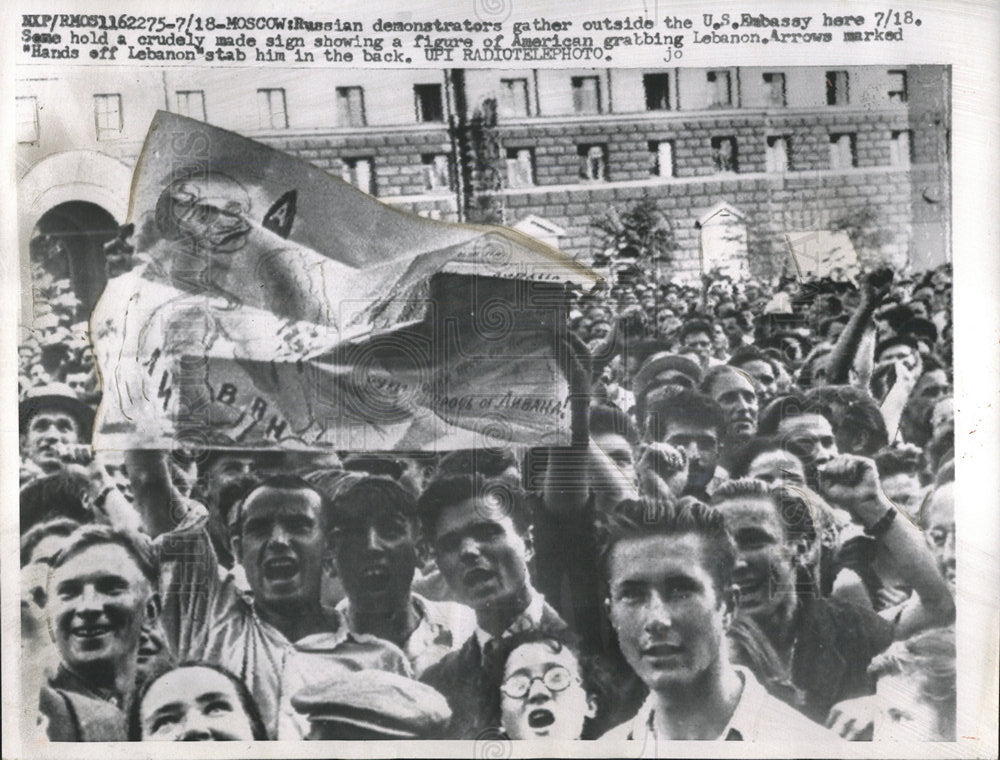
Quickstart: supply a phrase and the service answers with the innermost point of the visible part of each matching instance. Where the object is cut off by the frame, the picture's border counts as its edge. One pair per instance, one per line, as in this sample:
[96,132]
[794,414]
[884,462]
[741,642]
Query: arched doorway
[68,242]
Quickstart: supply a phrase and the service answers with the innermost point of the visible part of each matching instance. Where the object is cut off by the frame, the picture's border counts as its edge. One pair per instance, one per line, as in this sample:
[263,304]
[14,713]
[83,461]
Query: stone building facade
[791,149]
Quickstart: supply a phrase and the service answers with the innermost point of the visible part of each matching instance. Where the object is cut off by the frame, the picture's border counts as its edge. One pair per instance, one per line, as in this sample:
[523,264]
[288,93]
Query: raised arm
[851,482]
[158,502]
[838,364]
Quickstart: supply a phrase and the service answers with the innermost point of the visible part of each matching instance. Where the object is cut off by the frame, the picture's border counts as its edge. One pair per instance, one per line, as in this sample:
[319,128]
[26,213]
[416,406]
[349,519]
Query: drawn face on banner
[210,212]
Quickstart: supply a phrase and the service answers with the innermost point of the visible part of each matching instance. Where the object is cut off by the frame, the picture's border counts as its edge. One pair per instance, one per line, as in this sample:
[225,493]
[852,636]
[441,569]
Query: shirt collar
[67,680]
[742,725]
[530,619]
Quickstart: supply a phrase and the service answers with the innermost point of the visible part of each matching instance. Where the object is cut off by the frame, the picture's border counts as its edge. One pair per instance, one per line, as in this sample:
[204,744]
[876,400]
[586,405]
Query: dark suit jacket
[834,643]
[472,690]
[72,717]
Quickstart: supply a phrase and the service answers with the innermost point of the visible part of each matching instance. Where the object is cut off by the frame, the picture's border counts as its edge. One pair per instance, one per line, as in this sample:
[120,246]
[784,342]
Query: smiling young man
[101,592]
[481,535]
[825,644]
[668,569]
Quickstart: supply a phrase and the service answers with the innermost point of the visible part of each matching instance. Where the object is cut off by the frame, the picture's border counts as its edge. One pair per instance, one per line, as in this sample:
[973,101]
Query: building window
[837,88]
[593,162]
[776,153]
[775,84]
[437,175]
[359,172]
[520,167]
[843,150]
[514,98]
[108,116]
[350,107]
[901,148]
[27,119]
[897,86]
[720,90]
[586,95]
[271,108]
[191,103]
[661,158]
[429,104]
[724,155]
[657,87]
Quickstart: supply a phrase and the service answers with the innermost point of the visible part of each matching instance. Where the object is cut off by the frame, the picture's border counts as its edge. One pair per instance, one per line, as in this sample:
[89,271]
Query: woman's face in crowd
[194,704]
[555,705]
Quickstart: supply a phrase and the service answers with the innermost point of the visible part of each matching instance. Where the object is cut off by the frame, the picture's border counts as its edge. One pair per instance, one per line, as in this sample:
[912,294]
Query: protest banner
[279,306]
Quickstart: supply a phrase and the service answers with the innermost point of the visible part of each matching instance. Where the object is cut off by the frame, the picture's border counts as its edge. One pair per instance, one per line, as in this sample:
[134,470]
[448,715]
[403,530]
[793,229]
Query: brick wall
[397,154]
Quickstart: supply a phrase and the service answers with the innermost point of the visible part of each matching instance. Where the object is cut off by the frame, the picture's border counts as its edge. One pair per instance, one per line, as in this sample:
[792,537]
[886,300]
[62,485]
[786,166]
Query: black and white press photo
[536,402]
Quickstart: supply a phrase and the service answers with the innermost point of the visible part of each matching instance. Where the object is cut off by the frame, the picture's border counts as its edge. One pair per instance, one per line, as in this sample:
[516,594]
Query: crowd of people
[750,537]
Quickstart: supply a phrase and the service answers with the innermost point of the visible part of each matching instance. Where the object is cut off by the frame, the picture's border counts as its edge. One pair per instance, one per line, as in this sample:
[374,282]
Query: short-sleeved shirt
[207,616]
[758,717]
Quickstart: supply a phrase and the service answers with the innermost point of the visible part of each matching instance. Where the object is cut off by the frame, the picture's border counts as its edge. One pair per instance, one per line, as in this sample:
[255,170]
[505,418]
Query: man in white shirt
[671,600]
[373,538]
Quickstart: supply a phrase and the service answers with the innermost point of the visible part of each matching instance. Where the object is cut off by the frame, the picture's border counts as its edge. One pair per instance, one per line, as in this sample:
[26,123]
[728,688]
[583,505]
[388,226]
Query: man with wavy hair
[827,643]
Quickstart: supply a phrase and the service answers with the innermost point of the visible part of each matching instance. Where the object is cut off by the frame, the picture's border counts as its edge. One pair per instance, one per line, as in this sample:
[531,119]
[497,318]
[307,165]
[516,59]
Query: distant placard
[823,253]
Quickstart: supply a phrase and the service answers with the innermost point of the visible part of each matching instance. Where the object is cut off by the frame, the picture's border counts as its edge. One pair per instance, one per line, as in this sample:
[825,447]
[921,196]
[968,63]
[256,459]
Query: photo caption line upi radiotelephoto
[324,469]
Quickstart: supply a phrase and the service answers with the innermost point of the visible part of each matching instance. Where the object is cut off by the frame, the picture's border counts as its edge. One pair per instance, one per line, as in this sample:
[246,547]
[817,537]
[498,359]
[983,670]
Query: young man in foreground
[671,600]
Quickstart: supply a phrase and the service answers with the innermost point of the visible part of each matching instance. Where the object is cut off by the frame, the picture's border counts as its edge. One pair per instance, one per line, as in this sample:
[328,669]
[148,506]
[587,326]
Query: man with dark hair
[803,425]
[101,593]
[373,529]
[41,543]
[900,469]
[696,334]
[277,637]
[480,530]
[760,367]
[225,477]
[826,642]
[767,460]
[695,423]
[668,569]
[857,421]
